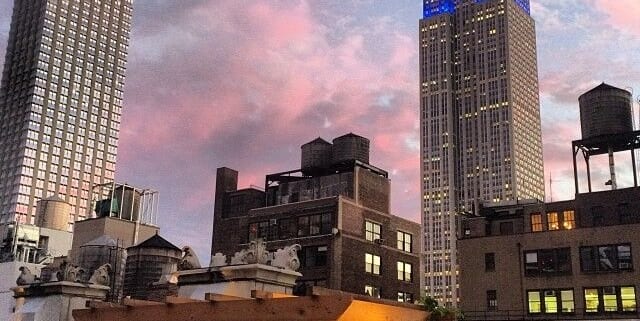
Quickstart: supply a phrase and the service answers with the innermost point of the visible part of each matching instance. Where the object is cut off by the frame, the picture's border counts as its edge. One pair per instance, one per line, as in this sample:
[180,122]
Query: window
[405,297]
[312,256]
[550,301]
[314,224]
[606,258]
[552,221]
[568,220]
[489,262]
[372,231]
[536,222]
[610,299]
[287,228]
[404,271]
[371,290]
[404,241]
[548,262]
[492,300]
[506,228]
[258,230]
[372,264]
[303,226]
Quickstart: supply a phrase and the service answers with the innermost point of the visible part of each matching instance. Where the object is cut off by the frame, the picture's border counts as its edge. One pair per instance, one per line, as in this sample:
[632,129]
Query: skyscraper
[60,102]
[480,120]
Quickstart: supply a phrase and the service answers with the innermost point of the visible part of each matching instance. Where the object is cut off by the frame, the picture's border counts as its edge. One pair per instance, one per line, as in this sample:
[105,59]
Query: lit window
[372,264]
[536,222]
[404,271]
[372,231]
[492,300]
[552,221]
[371,290]
[568,220]
[550,301]
[610,299]
[404,241]
[533,297]
[405,297]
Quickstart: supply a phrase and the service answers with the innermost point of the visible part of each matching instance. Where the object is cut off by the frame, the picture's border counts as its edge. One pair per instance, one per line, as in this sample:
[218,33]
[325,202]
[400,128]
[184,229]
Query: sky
[244,83]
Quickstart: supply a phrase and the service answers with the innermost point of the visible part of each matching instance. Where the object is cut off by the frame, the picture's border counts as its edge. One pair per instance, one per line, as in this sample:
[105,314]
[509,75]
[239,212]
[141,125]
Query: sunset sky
[243,84]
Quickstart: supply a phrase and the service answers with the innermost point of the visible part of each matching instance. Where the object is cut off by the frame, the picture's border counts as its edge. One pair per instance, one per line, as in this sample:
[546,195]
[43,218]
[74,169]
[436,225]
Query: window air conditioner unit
[609,290]
[379,241]
[273,221]
[549,293]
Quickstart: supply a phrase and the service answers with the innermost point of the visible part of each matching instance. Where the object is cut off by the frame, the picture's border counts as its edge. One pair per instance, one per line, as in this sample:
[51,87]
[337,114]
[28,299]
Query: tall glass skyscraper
[60,102]
[480,121]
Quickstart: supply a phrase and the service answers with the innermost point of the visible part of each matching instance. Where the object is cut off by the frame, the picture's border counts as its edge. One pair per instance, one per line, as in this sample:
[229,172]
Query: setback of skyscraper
[480,120]
[60,103]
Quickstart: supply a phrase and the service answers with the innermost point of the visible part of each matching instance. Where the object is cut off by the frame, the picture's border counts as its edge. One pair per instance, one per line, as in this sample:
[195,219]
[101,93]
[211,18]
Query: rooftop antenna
[550,187]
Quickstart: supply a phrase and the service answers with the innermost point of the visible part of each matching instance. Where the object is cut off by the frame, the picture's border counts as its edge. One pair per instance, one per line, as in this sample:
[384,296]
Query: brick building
[572,259]
[337,208]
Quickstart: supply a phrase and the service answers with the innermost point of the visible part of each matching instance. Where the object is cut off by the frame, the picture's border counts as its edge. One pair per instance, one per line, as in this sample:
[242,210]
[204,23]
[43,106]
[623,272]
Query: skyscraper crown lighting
[436,7]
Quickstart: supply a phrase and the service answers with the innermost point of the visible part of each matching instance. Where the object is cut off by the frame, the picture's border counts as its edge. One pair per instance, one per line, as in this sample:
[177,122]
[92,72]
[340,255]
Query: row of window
[565,220]
[372,265]
[596,300]
[287,228]
[593,259]
[374,291]
[372,232]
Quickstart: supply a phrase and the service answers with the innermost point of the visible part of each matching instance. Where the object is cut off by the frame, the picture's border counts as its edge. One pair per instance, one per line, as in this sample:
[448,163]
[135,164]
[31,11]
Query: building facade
[60,103]
[337,208]
[480,121]
[564,260]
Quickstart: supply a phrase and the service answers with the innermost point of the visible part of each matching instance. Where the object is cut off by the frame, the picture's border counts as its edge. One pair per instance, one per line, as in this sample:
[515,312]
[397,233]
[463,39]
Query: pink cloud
[622,14]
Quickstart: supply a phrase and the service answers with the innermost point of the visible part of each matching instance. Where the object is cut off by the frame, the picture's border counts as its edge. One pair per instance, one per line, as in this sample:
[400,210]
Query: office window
[568,220]
[552,221]
[371,290]
[534,302]
[372,231]
[303,226]
[536,222]
[548,262]
[372,264]
[492,300]
[405,297]
[287,228]
[550,301]
[489,262]
[606,258]
[404,241]
[312,256]
[315,222]
[404,271]
[258,230]
[326,225]
[610,299]
[506,228]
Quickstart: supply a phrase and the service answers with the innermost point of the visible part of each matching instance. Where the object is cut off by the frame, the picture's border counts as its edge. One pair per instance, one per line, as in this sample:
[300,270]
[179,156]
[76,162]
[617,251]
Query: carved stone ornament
[218,260]
[101,276]
[26,277]
[257,252]
[287,258]
[189,260]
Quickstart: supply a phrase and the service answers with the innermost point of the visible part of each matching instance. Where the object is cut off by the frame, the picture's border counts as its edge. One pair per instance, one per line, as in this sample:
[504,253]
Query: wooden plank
[213,297]
[172,299]
[319,308]
[136,303]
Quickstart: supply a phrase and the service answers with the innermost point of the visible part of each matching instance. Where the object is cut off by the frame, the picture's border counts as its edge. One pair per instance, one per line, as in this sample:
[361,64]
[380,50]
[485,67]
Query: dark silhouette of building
[336,206]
